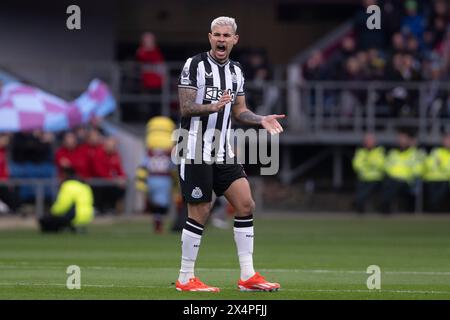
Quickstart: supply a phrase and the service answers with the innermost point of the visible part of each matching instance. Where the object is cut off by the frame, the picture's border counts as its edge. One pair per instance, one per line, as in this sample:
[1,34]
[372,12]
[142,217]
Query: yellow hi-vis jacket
[159,133]
[75,193]
[405,165]
[437,165]
[369,164]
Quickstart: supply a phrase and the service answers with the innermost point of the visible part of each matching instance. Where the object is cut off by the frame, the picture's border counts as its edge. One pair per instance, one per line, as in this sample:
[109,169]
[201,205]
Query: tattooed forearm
[249,117]
[188,106]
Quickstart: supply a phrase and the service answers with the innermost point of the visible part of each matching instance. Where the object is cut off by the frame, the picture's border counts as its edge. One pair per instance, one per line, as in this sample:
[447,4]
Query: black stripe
[192,229]
[238,224]
[244,218]
[195,223]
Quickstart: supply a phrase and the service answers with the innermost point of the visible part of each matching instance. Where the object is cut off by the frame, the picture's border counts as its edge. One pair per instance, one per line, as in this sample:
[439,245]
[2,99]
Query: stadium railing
[340,111]
[41,183]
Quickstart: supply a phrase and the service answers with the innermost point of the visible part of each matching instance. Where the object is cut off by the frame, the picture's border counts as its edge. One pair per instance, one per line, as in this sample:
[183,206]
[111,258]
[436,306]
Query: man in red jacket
[88,152]
[152,73]
[69,156]
[7,193]
[108,165]
[152,60]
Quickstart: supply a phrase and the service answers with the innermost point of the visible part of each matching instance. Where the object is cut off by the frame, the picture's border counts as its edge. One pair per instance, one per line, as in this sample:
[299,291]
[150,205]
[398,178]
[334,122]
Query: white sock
[190,244]
[243,236]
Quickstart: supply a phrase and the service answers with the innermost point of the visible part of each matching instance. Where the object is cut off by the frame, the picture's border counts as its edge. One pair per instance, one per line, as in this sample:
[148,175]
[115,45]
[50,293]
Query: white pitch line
[7,284]
[229,288]
[276,270]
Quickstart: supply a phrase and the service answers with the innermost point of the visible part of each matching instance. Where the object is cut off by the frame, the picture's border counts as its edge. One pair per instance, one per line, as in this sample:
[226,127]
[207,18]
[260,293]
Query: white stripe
[223,130]
[194,225]
[192,234]
[246,229]
[200,80]
[246,220]
[212,119]
[192,137]
[182,167]
[241,79]
[230,150]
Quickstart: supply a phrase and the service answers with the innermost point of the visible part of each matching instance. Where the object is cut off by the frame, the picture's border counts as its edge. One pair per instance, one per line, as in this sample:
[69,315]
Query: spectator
[413,23]
[352,98]
[81,133]
[412,48]
[260,94]
[152,72]
[73,207]
[403,167]
[35,146]
[315,68]
[438,28]
[436,178]
[337,61]
[403,101]
[108,165]
[435,93]
[398,44]
[32,157]
[69,156]
[376,63]
[368,164]
[88,151]
[8,199]
[392,17]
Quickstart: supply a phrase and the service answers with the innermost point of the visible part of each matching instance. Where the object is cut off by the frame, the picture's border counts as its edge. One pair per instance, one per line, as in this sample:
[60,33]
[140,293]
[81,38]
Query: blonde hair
[224,21]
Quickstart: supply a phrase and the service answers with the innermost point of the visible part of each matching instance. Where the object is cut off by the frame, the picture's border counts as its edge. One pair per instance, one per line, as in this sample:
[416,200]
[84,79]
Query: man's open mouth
[221,48]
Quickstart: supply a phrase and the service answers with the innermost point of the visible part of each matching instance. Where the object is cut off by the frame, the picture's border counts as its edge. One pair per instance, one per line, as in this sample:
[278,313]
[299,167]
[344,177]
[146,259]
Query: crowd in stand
[87,150]
[412,45]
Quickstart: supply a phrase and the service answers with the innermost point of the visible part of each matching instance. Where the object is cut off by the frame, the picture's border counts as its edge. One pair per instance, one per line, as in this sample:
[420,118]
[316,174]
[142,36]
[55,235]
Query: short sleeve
[241,91]
[188,76]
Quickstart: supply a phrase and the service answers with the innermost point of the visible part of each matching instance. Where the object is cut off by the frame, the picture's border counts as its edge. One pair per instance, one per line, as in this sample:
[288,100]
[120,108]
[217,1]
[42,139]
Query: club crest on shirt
[233,77]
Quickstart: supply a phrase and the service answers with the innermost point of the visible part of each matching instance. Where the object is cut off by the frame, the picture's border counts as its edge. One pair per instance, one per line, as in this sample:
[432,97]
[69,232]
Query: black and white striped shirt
[211,79]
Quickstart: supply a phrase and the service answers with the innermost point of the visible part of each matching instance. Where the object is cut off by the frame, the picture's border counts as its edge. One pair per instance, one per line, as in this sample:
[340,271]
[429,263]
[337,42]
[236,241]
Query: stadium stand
[349,82]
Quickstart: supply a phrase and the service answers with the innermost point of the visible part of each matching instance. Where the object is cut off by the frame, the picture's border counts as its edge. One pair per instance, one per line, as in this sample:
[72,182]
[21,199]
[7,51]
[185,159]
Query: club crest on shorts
[197,193]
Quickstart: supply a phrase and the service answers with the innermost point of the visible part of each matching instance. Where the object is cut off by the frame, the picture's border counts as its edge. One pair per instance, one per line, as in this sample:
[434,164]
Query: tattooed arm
[244,115]
[191,109]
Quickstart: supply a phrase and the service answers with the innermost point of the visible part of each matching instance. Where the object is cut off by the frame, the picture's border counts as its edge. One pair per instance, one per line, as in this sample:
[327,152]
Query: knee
[199,212]
[247,207]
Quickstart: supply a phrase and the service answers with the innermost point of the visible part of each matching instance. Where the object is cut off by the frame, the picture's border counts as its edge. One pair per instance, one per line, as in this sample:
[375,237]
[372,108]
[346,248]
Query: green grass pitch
[312,258]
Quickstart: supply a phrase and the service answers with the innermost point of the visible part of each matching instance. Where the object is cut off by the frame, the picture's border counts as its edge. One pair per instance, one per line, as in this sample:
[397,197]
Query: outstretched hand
[271,124]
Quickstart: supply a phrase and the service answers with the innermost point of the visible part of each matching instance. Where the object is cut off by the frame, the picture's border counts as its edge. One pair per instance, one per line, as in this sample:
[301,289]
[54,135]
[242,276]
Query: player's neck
[217,60]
